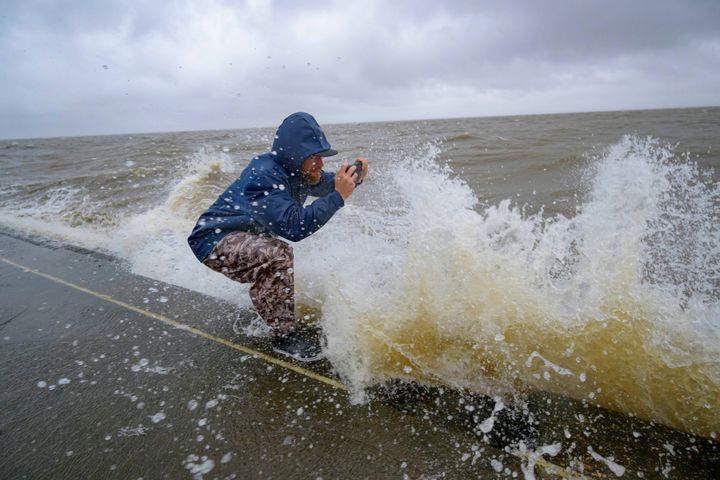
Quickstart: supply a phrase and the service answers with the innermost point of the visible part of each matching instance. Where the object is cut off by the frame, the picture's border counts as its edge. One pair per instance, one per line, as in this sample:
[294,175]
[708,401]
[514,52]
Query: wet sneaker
[298,347]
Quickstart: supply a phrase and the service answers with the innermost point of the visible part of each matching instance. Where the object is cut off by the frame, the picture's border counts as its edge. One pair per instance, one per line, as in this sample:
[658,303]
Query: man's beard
[310,178]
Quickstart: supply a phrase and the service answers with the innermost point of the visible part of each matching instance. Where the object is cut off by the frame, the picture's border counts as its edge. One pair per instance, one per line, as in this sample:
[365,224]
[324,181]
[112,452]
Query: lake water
[576,254]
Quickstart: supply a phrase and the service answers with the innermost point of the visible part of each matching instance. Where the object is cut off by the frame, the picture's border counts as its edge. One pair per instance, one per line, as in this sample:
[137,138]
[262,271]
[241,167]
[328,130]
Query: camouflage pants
[267,263]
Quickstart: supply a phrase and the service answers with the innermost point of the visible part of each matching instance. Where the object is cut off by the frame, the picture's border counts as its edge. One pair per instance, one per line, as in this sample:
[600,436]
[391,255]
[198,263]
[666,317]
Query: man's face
[310,169]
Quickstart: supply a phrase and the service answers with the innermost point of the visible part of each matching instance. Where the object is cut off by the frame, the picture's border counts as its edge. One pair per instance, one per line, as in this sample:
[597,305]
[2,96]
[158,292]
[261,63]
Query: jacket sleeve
[325,186]
[273,206]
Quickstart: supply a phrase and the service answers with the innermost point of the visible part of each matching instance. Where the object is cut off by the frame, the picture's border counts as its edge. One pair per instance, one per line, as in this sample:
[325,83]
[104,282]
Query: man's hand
[345,180]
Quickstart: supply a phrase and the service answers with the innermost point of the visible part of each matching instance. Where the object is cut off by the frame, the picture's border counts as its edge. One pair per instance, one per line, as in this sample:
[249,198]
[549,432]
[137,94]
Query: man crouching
[239,234]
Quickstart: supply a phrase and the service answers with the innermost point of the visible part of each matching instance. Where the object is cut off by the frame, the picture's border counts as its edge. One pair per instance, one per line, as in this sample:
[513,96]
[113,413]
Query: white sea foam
[433,279]
[489,423]
[154,242]
[199,465]
[618,470]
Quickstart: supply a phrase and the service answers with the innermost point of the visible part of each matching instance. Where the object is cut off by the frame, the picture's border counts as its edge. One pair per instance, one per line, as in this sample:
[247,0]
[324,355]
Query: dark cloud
[120,66]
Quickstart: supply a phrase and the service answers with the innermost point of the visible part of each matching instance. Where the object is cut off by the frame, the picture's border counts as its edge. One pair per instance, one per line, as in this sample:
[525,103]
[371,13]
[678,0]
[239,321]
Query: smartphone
[358,170]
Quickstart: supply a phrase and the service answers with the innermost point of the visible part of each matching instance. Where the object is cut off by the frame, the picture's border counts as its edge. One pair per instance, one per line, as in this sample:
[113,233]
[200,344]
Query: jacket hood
[298,137]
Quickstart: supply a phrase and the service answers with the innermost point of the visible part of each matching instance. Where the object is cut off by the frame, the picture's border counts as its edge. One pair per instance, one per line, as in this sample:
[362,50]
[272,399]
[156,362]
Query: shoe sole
[316,358]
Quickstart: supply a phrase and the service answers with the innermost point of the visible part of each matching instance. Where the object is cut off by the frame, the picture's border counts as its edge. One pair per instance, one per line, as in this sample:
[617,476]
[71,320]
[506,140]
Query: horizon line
[164,132]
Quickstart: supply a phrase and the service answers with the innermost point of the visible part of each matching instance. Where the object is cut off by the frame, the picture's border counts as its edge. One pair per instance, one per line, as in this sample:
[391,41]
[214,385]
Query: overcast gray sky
[118,66]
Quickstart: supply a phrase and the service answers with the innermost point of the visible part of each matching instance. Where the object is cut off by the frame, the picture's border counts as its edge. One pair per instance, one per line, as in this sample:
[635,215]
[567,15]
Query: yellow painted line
[188,328]
[542,462]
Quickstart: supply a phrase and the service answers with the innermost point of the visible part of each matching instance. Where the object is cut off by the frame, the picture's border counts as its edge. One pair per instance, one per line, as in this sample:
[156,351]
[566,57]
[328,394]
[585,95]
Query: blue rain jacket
[269,195]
